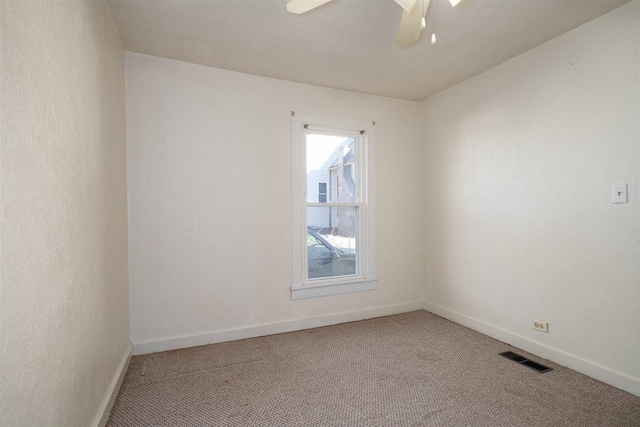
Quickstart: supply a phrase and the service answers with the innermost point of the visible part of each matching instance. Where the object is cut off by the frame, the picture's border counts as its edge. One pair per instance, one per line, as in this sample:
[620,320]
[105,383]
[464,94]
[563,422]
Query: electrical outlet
[540,326]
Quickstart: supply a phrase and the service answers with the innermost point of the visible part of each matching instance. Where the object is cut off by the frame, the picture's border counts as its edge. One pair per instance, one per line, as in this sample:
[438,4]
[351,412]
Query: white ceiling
[348,44]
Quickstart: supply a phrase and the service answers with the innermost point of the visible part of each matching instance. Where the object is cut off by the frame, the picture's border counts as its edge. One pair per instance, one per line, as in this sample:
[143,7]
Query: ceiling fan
[411,24]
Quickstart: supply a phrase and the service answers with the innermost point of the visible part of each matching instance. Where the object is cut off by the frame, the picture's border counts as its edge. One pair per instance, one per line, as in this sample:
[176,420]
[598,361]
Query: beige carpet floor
[413,369]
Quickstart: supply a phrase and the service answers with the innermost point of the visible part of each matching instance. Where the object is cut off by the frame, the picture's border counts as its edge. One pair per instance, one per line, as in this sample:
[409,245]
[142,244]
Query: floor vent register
[526,362]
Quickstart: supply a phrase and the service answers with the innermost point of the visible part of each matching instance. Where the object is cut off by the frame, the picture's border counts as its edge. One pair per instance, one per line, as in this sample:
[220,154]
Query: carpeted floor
[413,369]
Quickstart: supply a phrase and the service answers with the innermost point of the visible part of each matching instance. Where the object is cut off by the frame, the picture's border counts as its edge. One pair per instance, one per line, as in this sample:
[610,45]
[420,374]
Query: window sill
[326,289]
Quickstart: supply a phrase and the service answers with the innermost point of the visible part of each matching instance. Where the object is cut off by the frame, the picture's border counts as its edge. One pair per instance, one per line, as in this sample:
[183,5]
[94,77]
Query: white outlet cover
[619,193]
[540,326]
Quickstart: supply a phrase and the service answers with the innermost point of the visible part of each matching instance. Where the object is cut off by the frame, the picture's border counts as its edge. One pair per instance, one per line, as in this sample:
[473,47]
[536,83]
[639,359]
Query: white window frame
[366,277]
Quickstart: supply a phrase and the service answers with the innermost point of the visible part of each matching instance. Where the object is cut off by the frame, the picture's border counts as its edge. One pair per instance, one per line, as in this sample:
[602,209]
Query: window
[322,192]
[333,199]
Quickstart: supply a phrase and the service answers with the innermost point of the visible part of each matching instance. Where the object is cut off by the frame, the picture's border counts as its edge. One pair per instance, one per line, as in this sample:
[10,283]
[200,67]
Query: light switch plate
[619,193]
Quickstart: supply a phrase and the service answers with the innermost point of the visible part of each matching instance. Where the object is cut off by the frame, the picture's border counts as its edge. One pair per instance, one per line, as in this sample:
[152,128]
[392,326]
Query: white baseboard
[593,370]
[110,398]
[270,328]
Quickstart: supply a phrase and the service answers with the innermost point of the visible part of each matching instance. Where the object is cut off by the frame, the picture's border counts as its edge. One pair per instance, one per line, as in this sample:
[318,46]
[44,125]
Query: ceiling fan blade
[411,24]
[302,6]
[454,2]
[407,5]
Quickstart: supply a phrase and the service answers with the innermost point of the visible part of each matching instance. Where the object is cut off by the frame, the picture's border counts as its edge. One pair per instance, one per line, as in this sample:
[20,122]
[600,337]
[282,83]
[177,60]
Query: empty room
[320,213]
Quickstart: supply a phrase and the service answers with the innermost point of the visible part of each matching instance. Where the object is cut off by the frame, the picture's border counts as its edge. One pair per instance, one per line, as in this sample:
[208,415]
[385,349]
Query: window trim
[367,277]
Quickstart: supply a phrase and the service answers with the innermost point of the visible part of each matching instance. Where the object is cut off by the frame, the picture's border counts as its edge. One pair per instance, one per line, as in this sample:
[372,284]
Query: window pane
[331,160]
[332,241]
[322,192]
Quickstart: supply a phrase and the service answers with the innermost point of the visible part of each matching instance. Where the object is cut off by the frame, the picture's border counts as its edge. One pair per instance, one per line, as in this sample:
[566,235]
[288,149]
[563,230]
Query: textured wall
[519,222]
[209,163]
[64,294]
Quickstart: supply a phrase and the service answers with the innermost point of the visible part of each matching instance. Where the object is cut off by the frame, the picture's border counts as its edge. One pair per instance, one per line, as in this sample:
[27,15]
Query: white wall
[64,332]
[519,224]
[209,178]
